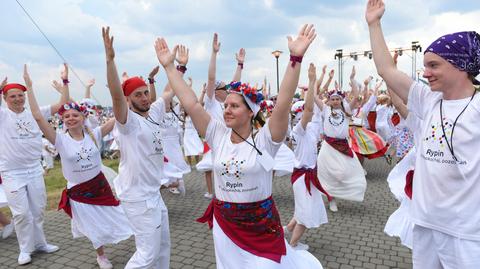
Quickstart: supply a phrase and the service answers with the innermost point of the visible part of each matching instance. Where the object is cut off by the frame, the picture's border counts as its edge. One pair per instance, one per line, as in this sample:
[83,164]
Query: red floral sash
[96,191]
[340,144]
[254,227]
[310,179]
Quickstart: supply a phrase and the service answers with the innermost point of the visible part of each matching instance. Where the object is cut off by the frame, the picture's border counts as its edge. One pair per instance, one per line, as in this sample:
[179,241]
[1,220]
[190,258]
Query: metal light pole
[339,56]
[277,54]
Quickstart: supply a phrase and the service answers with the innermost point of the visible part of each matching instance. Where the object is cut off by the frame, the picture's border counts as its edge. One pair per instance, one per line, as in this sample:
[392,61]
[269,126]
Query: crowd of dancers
[245,136]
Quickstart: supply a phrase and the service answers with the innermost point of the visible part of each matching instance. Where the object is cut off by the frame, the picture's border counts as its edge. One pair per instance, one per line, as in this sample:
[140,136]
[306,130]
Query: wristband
[240,64]
[65,81]
[182,68]
[295,59]
[151,80]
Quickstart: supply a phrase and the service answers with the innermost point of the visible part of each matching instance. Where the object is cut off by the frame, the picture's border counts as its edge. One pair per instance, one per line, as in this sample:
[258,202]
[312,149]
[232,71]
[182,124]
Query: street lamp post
[277,54]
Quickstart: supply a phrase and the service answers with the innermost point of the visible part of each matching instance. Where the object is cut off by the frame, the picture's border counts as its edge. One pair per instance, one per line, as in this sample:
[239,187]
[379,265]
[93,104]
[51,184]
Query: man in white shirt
[137,133]
[21,170]
[446,183]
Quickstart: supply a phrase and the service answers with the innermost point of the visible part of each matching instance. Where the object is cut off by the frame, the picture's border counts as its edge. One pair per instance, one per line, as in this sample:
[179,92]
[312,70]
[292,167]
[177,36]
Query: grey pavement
[353,238]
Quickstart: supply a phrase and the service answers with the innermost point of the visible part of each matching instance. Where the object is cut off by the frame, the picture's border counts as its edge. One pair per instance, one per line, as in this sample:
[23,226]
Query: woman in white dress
[247,232]
[192,144]
[88,198]
[338,167]
[309,208]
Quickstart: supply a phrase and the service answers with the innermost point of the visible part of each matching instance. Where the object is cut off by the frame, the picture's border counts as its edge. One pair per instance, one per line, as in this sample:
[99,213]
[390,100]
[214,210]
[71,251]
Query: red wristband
[151,80]
[241,65]
[65,81]
[295,59]
[182,68]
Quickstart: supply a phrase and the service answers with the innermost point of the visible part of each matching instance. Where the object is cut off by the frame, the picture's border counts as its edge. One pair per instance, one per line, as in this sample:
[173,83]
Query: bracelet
[182,68]
[65,81]
[295,59]
[151,80]
[240,64]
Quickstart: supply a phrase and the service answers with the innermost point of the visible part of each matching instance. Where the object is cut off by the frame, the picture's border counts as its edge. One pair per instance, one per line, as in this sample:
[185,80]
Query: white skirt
[206,163]
[3,198]
[340,175]
[176,166]
[100,224]
[229,256]
[192,144]
[284,161]
[309,209]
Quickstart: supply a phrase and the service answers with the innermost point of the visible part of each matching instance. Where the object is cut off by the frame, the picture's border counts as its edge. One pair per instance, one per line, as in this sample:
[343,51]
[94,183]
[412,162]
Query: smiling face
[441,75]
[236,113]
[73,119]
[139,99]
[335,102]
[15,99]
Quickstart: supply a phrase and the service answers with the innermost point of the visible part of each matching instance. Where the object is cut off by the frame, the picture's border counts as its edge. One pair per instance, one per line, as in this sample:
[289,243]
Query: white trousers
[436,250]
[149,220]
[26,196]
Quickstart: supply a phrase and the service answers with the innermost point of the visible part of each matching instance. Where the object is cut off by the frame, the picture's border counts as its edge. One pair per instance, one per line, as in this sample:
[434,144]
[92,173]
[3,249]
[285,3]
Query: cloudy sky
[259,26]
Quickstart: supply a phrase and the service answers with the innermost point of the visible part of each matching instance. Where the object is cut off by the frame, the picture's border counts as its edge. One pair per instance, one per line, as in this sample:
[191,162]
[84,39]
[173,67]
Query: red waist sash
[310,178]
[409,184]
[254,227]
[372,119]
[96,191]
[340,144]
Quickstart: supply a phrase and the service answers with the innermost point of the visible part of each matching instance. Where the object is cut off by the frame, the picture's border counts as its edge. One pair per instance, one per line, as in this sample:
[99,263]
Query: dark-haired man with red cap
[138,135]
[21,170]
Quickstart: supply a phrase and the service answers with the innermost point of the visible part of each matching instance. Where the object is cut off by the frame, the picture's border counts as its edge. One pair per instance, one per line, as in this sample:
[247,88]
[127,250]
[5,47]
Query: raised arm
[386,68]
[309,98]
[46,128]
[318,89]
[354,93]
[119,102]
[88,88]
[64,93]
[279,120]
[398,104]
[212,67]
[151,83]
[107,127]
[185,94]
[240,57]
[202,94]
[329,80]
[4,82]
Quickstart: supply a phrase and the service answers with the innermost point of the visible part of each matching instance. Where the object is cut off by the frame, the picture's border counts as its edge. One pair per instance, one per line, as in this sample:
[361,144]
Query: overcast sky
[259,26]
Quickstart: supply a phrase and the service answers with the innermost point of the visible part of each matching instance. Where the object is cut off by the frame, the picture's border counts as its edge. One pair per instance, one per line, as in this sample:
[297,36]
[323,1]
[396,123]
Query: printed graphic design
[233,168]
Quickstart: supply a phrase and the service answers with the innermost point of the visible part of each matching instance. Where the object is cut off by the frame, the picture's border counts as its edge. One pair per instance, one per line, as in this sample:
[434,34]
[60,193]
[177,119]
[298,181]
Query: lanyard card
[265,160]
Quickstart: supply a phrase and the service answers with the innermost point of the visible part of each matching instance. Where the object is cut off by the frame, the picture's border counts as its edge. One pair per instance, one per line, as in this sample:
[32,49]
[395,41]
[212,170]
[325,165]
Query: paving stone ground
[353,237]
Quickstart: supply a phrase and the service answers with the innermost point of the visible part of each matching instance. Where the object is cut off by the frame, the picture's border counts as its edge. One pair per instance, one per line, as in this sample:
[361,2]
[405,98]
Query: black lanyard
[147,118]
[450,144]
[253,145]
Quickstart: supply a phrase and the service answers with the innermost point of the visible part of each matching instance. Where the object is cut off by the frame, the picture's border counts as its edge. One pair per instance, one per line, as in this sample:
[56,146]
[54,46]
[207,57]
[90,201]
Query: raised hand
[154,72]
[352,75]
[240,56]
[57,86]
[26,77]
[189,82]
[125,76]
[305,37]
[395,58]
[215,43]
[337,86]
[64,73]
[90,83]
[332,72]
[4,82]
[374,12]
[312,72]
[367,81]
[164,55]
[182,55]
[204,88]
[108,43]
[324,69]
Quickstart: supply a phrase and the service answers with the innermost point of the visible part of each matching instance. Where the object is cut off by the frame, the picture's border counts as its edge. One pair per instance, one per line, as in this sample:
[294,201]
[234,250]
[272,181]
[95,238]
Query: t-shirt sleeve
[418,98]
[298,132]
[315,127]
[209,102]
[157,110]
[59,143]
[130,125]
[264,142]
[3,114]
[215,131]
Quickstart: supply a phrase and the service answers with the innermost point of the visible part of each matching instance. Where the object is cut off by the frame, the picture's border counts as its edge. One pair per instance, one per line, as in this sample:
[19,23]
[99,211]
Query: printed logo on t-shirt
[84,159]
[157,142]
[169,120]
[23,129]
[233,168]
[436,136]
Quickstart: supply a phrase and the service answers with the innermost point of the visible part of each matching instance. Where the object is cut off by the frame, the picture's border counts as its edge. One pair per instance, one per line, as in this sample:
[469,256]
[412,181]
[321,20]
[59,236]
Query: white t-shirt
[446,194]
[81,160]
[307,139]
[141,162]
[214,108]
[170,124]
[21,139]
[335,126]
[238,175]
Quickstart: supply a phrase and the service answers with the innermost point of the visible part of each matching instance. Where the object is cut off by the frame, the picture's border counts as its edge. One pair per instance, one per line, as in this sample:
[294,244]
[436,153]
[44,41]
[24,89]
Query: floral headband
[336,93]
[72,105]
[266,105]
[252,95]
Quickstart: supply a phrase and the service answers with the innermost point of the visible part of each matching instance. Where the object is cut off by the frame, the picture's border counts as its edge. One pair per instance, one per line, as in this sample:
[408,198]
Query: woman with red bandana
[246,225]
[88,198]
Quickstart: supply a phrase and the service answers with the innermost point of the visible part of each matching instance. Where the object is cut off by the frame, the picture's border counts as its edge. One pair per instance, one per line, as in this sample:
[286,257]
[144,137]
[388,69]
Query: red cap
[132,84]
[11,86]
